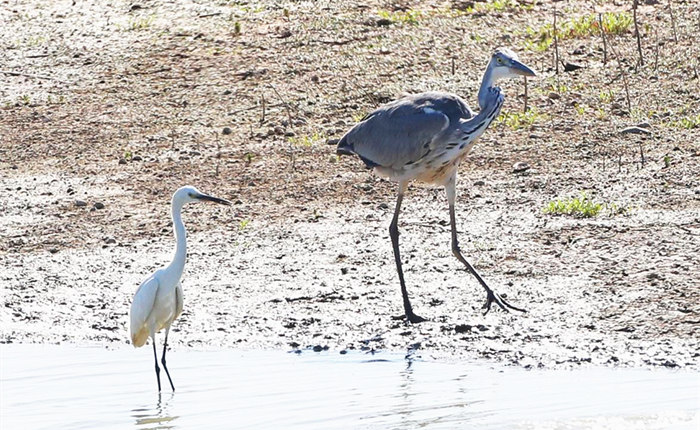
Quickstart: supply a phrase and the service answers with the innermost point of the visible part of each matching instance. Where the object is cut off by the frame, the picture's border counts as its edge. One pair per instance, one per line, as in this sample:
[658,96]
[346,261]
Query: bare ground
[303,259]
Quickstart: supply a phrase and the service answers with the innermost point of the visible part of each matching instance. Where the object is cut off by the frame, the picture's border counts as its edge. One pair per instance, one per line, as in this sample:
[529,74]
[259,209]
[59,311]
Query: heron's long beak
[521,69]
[213,199]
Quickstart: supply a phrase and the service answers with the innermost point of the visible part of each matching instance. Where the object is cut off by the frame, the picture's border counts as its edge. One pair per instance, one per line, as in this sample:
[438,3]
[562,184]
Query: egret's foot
[492,297]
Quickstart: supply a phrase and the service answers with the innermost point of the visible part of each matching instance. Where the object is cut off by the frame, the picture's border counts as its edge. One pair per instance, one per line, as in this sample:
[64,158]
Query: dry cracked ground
[107,107]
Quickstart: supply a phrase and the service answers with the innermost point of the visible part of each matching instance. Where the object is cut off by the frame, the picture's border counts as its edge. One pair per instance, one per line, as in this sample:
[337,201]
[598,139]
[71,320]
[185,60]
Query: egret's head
[505,64]
[191,194]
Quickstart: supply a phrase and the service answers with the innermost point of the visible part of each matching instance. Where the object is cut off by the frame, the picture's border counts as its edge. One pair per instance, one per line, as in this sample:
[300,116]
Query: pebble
[332,141]
[479,183]
[110,241]
[554,96]
[520,166]
[99,205]
[80,203]
[227,130]
[136,158]
[122,161]
[635,130]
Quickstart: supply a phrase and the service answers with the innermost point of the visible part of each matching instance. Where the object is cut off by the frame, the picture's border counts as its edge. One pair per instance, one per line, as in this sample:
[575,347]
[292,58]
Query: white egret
[158,300]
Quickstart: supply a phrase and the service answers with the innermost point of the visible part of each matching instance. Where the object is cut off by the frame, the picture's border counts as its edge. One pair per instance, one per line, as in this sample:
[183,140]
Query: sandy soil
[107,107]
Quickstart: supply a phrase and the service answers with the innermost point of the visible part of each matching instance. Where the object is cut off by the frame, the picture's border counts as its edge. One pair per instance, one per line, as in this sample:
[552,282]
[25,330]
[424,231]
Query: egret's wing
[403,131]
[141,307]
[178,301]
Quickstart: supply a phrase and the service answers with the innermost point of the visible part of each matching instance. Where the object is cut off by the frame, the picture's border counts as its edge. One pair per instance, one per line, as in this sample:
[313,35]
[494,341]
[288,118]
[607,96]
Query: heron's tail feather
[346,148]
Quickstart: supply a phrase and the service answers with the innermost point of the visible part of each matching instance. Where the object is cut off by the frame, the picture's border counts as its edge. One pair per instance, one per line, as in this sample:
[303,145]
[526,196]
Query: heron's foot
[413,318]
[492,297]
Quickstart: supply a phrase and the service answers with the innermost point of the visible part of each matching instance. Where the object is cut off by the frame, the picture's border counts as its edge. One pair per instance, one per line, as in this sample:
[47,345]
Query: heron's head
[506,64]
[191,194]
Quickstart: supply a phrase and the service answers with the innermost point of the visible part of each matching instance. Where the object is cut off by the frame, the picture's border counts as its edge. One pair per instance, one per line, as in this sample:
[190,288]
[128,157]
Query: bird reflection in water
[157,418]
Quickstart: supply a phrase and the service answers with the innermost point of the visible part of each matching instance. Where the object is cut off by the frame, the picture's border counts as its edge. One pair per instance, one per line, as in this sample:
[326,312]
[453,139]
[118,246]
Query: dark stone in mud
[99,205]
[80,203]
[463,328]
[227,131]
[136,158]
[319,348]
[122,161]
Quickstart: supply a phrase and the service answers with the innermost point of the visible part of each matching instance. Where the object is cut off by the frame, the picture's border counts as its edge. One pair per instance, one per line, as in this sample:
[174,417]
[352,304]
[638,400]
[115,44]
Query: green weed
[687,122]
[243,224]
[307,140]
[139,23]
[540,39]
[606,96]
[408,16]
[581,206]
[518,120]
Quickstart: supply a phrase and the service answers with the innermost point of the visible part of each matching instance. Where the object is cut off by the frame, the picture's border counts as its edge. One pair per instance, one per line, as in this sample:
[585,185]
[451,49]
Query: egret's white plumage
[158,300]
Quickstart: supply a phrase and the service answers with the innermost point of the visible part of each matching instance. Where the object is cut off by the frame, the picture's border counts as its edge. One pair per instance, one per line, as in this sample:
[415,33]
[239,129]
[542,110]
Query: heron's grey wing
[141,308]
[453,106]
[395,134]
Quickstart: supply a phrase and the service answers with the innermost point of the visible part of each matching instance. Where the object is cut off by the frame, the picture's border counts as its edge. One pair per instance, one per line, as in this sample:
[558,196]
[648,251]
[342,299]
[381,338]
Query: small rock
[384,22]
[571,67]
[53,250]
[463,328]
[122,160]
[226,93]
[136,158]
[635,130]
[553,95]
[479,183]
[644,124]
[80,203]
[332,141]
[110,241]
[227,130]
[520,166]
[383,206]
[318,348]
[344,270]
[290,134]
[99,205]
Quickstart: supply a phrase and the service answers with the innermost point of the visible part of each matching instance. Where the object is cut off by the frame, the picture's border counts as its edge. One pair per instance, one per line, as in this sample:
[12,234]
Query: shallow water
[46,386]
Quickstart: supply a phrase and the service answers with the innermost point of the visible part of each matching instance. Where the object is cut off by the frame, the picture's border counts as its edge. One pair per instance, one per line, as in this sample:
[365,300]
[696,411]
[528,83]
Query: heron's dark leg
[162,360]
[394,234]
[155,355]
[491,297]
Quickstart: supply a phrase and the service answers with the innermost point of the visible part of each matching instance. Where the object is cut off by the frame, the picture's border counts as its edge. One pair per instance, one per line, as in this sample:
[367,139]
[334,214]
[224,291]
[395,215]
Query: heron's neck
[178,262]
[486,83]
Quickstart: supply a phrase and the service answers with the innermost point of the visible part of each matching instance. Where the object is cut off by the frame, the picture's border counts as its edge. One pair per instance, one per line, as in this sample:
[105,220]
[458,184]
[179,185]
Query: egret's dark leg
[491,297]
[162,360]
[155,355]
[394,234]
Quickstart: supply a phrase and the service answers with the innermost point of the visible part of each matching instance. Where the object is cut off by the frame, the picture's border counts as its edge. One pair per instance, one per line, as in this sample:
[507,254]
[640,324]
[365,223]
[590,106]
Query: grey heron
[158,300]
[424,137]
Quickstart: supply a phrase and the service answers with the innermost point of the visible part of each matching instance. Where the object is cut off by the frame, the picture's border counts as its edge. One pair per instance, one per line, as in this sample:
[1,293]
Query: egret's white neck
[486,83]
[178,263]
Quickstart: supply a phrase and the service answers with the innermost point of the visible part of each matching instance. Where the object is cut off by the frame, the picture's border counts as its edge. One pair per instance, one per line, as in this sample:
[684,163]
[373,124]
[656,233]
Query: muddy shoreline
[140,101]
